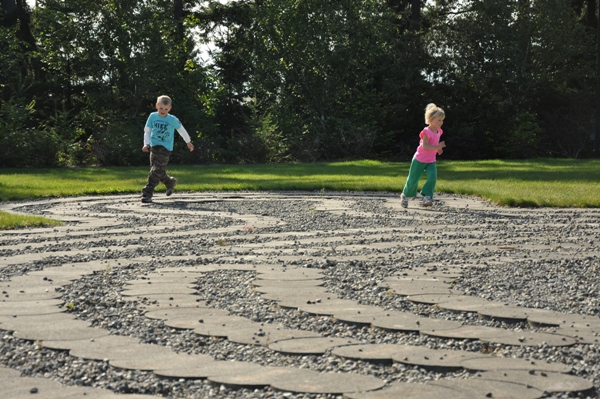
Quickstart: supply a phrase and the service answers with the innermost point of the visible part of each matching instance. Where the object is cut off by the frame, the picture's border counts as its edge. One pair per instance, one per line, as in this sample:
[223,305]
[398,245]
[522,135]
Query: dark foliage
[276,81]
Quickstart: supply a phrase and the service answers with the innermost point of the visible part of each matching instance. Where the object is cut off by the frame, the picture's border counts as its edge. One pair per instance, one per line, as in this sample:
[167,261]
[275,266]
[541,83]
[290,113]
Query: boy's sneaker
[171,189]
[427,201]
[404,199]
[146,199]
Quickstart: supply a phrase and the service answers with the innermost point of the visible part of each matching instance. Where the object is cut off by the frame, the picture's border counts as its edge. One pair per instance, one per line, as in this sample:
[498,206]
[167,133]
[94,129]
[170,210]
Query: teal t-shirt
[162,130]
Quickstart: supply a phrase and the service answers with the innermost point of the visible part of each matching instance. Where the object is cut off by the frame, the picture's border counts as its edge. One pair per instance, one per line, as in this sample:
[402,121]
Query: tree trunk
[597,124]
[16,11]
[415,20]
[178,16]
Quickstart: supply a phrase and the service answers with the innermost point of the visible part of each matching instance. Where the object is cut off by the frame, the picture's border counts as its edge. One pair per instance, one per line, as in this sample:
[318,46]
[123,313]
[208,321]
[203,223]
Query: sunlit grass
[14,221]
[544,182]
[539,183]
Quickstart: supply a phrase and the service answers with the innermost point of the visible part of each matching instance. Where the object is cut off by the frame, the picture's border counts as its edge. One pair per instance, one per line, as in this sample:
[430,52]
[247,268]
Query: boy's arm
[147,131]
[186,137]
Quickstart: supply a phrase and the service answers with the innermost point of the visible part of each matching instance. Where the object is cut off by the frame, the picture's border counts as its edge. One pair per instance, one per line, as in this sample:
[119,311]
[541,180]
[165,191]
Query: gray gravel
[567,281]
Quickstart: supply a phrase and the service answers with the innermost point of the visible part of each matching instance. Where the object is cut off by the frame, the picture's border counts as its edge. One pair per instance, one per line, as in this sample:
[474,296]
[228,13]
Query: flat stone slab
[31,308]
[403,390]
[153,289]
[290,274]
[468,332]
[174,278]
[504,313]
[432,270]
[151,361]
[94,349]
[115,347]
[50,327]
[558,319]
[296,299]
[464,303]
[219,326]
[65,272]
[32,284]
[267,334]
[203,369]
[17,295]
[6,372]
[408,277]
[360,317]
[191,312]
[409,322]
[490,363]
[330,307]
[431,358]
[367,352]
[166,301]
[481,388]
[191,323]
[28,387]
[417,287]
[286,284]
[283,292]
[253,377]
[311,346]
[530,338]
[581,335]
[308,381]
[544,381]
[432,299]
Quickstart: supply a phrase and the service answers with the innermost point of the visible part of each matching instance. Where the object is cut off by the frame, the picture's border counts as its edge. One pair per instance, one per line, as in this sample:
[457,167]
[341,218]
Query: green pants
[414,175]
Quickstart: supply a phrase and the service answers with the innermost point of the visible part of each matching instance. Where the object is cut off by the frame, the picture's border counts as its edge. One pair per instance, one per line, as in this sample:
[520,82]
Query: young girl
[424,159]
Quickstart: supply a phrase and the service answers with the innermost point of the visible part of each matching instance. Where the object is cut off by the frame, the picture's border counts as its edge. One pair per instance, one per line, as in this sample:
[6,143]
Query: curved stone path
[31,307]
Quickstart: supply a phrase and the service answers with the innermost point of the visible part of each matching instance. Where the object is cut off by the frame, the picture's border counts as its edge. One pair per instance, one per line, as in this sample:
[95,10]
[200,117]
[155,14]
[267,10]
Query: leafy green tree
[106,62]
[501,60]
[330,74]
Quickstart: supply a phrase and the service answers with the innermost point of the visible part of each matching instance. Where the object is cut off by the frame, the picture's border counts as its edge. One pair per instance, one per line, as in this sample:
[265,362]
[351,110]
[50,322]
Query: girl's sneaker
[404,199]
[427,201]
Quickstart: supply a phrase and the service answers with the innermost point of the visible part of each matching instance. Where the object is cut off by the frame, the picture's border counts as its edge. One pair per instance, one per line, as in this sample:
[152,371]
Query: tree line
[296,80]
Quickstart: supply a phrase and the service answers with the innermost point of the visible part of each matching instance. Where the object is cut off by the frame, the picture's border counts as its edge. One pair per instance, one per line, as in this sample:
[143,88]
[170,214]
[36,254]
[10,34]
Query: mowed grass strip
[10,221]
[564,183]
[544,182]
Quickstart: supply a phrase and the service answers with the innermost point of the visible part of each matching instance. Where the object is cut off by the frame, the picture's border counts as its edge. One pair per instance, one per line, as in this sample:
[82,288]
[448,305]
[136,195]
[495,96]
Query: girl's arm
[430,147]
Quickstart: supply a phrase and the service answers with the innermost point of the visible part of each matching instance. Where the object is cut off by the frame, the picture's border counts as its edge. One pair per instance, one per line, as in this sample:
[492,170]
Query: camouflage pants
[159,158]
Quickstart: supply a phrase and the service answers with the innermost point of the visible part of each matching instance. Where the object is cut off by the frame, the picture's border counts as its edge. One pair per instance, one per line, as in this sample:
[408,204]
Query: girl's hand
[440,151]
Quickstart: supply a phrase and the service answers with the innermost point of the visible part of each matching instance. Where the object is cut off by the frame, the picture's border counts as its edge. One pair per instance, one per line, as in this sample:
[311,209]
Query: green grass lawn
[541,182]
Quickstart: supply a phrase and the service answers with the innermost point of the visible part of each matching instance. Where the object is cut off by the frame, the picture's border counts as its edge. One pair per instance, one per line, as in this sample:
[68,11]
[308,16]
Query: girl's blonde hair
[433,111]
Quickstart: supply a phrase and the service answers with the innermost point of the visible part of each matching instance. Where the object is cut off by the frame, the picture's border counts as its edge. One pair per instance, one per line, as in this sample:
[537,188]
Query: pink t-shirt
[428,156]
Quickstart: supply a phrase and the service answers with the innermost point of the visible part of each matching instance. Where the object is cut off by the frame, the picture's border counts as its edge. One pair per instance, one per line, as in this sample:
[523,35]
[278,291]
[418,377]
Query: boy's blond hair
[164,100]
[433,111]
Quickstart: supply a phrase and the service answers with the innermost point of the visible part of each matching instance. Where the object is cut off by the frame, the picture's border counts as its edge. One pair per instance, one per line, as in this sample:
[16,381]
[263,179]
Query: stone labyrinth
[301,295]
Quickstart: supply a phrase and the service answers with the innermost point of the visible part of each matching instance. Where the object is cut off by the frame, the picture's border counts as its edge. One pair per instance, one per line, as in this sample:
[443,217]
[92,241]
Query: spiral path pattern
[298,294]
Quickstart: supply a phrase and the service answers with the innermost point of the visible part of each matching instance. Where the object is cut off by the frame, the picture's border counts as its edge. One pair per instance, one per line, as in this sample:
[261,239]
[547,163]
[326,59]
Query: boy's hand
[190,146]
[146,148]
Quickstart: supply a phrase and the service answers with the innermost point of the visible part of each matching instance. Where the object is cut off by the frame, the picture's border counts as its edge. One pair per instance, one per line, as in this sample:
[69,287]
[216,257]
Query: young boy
[159,135]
